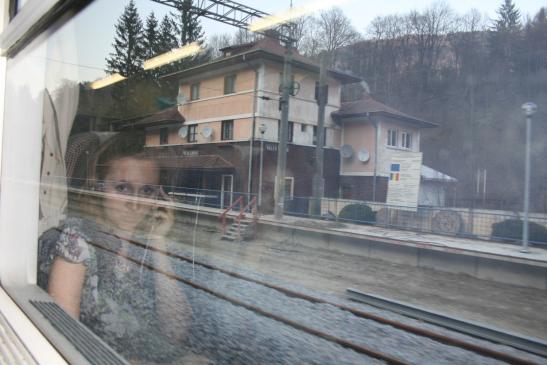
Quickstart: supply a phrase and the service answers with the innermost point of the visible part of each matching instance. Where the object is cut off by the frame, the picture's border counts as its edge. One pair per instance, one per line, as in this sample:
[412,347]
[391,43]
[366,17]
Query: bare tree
[217,42]
[328,32]
[466,38]
[429,29]
[244,36]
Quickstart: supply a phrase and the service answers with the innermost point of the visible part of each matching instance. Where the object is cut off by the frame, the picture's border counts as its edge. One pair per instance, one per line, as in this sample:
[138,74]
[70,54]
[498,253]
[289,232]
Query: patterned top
[118,296]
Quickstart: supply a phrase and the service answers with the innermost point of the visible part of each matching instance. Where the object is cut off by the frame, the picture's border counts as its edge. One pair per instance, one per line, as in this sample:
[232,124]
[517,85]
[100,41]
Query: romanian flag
[394,174]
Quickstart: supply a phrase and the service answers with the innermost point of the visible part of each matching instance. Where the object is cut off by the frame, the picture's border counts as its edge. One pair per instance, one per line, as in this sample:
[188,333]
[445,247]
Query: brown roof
[198,162]
[268,48]
[163,117]
[368,106]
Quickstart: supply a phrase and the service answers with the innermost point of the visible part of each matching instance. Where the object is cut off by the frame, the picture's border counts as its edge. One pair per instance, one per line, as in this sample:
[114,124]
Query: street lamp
[529,109]
[262,129]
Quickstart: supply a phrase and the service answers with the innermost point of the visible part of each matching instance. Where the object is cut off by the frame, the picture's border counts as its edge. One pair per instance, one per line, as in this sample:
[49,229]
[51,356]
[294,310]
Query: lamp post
[262,129]
[529,109]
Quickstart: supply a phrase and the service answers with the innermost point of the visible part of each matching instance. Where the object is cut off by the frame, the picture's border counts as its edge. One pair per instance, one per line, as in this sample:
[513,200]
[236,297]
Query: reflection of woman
[97,267]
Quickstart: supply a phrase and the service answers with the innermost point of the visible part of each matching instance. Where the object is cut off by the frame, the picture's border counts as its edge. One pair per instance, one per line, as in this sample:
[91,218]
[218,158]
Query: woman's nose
[132,202]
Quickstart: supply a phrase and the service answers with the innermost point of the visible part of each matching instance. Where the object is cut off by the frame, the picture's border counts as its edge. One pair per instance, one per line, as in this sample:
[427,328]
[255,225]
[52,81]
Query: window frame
[230,84]
[406,140]
[391,134]
[316,92]
[314,137]
[229,125]
[192,136]
[290,131]
[164,136]
[194,91]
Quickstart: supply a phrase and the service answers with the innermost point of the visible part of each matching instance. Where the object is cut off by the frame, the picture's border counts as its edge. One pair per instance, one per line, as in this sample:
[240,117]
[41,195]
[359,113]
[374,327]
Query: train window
[133,221]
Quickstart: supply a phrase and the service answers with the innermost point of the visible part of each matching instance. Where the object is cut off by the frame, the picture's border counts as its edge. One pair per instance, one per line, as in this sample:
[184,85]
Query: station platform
[497,261]
[489,260]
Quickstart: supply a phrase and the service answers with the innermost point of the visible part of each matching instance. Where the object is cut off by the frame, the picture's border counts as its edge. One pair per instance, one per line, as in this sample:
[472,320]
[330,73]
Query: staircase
[245,231]
[242,228]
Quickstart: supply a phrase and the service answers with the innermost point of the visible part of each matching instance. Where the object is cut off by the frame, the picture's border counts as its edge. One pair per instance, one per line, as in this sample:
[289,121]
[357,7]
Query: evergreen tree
[151,36]
[187,24]
[167,36]
[505,35]
[536,41]
[128,53]
[508,18]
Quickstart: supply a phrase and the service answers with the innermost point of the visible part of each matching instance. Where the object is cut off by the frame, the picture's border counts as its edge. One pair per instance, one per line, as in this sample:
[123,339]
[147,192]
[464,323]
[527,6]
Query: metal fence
[206,197]
[496,225]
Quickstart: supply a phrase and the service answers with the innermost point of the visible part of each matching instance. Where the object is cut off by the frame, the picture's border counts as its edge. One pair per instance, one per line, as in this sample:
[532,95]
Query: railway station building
[225,134]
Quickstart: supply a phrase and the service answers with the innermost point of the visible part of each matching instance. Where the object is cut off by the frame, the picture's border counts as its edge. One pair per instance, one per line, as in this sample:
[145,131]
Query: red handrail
[222,216]
[242,213]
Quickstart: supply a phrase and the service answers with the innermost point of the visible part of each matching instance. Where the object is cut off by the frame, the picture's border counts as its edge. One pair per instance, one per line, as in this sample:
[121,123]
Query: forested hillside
[470,75]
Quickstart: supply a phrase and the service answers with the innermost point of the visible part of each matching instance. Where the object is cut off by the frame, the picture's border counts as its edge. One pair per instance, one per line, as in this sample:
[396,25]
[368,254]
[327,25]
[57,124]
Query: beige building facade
[231,112]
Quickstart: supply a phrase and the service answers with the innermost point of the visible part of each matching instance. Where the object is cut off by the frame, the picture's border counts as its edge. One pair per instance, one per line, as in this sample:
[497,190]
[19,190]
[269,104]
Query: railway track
[388,358]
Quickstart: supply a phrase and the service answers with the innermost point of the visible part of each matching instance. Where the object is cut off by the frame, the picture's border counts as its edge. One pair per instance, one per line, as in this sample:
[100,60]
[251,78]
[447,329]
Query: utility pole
[318,185]
[283,134]
[529,109]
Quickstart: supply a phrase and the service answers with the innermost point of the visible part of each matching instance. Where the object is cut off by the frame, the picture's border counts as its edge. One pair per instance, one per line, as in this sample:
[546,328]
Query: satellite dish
[346,151]
[181,99]
[207,132]
[183,131]
[363,155]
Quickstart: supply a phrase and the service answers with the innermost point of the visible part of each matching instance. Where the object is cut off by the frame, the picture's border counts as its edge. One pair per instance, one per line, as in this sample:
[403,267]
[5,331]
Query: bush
[361,213]
[511,229]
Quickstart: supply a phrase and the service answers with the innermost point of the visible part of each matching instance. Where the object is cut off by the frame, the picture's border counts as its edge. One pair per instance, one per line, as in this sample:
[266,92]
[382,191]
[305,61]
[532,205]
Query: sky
[95,25]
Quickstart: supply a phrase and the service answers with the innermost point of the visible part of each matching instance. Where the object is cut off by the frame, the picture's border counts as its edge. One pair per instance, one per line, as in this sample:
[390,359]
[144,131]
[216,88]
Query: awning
[429,174]
[199,162]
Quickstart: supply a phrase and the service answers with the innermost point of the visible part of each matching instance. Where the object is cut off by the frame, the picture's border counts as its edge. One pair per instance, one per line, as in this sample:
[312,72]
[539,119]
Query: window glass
[290,131]
[406,140]
[194,91]
[192,133]
[392,137]
[230,84]
[227,129]
[177,238]
[164,135]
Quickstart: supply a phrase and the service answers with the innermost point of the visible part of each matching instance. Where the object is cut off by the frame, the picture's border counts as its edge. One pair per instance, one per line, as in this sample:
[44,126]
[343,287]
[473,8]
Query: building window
[227,130]
[392,137]
[289,188]
[229,84]
[303,128]
[290,131]
[194,91]
[192,133]
[291,90]
[406,140]
[164,135]
[316,96]
[315,136]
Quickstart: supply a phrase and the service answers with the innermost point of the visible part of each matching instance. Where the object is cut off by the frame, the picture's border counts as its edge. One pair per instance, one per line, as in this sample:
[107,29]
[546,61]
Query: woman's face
[127,182]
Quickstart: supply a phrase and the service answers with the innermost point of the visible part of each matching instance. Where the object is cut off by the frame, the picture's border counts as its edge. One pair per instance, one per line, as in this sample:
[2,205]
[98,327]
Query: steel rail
[344,343]
[525,343]
[481,350]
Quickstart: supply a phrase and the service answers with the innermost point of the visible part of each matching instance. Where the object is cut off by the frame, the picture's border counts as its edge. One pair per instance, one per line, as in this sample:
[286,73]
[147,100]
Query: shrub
[511,229]
[361,213]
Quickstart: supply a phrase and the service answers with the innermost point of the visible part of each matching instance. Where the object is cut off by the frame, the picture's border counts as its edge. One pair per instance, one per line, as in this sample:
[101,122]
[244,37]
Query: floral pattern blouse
[118,296]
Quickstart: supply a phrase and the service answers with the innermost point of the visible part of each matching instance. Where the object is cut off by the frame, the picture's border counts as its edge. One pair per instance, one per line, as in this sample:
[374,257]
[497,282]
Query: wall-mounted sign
[272,147]
[404,180]
[190,152]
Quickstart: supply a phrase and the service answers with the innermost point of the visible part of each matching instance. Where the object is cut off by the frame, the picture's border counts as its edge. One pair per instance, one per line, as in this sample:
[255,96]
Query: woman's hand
[162,217]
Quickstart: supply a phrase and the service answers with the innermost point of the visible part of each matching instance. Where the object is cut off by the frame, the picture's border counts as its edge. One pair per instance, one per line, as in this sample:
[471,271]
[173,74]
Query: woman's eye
[148,190]
[122,188]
